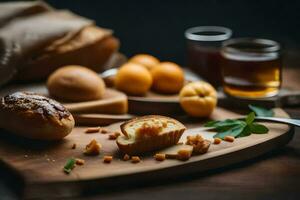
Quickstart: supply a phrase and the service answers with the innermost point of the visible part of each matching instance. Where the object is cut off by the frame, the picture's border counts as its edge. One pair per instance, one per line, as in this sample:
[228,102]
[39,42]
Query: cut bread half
[149,133]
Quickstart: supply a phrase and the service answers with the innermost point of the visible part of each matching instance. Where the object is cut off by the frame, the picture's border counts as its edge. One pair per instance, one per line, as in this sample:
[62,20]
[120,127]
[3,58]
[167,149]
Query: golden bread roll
[34,116]
[198,99]
[168,78]
[149,133]
[146,60]
[75,83]
[133,79]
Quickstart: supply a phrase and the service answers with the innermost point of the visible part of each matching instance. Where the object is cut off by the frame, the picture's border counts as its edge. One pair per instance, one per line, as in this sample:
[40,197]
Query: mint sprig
[237,128]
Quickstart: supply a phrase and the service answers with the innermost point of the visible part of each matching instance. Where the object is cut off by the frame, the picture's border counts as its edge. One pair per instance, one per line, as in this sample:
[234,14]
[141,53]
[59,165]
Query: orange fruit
[168,78]
[133,79]
[145,60]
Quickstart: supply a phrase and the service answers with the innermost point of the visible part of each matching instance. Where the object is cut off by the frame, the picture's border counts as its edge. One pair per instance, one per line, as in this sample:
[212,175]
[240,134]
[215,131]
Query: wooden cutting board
[40,164]
[154,103]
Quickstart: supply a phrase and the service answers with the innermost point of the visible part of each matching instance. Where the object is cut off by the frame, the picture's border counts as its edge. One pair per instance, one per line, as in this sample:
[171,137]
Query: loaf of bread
[91,47]
[149,133]
[34,116]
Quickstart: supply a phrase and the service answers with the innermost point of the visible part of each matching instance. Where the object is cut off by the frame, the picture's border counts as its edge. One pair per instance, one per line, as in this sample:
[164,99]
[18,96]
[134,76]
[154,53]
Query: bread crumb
[200,146]
[107,159]
[164,124]
[217,141]
[73,146]
[194,139]
[79,161]
[93,148]
[229,138]
[117,134]
[114,136]
[160,157]
[135,159]
[126,157]
[92,130]
[104,131]
[183,154]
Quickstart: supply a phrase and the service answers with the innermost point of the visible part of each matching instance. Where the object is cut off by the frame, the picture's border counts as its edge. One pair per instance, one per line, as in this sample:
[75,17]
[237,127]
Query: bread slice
[149,133]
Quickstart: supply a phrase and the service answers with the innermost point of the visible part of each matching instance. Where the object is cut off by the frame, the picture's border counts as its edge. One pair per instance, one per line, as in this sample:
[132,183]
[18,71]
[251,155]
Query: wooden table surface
[275,175]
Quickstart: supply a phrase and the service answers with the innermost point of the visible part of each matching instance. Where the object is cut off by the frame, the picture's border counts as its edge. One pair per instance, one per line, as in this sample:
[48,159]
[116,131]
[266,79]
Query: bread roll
[75,83]
[34,116]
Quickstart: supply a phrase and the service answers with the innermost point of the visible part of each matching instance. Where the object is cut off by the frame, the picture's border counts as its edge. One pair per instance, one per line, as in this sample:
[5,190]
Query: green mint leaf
[261,112]
[69,165]
[222,128]
[229,122]
[245,132]
[234,131]
[258,128]
[225,123]
[210,123]
[250,118]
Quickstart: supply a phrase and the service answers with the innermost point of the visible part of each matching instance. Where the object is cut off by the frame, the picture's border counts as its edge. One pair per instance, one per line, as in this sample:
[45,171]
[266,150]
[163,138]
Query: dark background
[157,27]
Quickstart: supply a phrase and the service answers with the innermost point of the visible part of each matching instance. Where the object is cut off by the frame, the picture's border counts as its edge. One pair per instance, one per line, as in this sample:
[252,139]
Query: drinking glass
[203,51]
[251,67]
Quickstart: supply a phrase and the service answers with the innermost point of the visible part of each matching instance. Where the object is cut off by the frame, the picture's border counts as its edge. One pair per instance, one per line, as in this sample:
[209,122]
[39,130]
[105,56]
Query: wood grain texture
[41,163]
[99,119]
[112,102]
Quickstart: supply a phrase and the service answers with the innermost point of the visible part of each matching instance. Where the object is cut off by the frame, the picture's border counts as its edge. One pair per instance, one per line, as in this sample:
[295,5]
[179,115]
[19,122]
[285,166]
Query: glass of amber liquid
[204,44]
[251,68]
